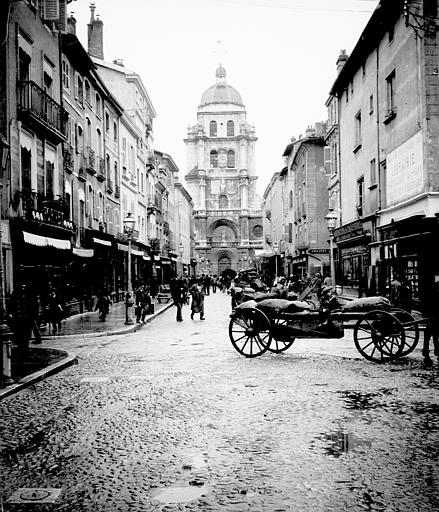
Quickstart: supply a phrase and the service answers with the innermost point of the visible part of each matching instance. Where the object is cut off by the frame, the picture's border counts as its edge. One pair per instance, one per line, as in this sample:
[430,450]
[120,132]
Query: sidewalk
[76,340]
[88,324]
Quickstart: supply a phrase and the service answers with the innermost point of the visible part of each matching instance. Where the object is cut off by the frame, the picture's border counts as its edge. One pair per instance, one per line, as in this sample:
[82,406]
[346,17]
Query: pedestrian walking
[206,285]
[214,284]
[143,303]
[197,305]
[103,305]
[178,296]
[55,311]
[431,332]
[23,316]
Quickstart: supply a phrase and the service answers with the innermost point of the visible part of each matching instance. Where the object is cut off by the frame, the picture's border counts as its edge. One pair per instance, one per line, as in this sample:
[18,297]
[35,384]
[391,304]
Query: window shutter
[51,10]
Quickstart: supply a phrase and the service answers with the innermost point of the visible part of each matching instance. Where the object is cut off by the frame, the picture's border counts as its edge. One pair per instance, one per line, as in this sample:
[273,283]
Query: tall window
[213,129]
[231,158]
[87,92]
[116,175]
[98,105]
[214,158]
[80,90]
[107,122]
[98,143]
[24,61]
[291,198]
[373,172]
[26,168]
[230,129]
[65,75]
[360,197]
[358,130]
[390,80]
[114,131]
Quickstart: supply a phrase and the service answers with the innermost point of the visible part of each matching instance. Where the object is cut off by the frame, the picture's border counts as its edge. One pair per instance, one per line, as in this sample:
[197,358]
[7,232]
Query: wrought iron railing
[34,100]
[44,208]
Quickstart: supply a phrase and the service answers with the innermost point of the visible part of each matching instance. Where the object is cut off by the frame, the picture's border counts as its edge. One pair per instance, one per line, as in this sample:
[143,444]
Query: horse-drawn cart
[380,335]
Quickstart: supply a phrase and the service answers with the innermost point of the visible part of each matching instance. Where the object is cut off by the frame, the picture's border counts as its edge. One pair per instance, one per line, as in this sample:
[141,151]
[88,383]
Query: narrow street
[172,418]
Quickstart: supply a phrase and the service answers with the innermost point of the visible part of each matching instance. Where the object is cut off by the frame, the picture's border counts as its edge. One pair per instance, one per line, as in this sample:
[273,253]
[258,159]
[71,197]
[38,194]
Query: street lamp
[128,225]
[181,249]
[275,249]
[331,219]
[5,335]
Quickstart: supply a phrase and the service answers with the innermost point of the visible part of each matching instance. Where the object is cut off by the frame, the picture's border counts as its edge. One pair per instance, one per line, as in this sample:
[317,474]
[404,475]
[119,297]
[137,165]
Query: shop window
[231,159]
[230,129]
[214,158]
[213,129]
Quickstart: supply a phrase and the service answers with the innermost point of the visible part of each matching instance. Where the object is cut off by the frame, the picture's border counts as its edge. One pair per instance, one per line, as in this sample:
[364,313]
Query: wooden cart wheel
[411,330]
[250,332]
[379,336]
[278,344]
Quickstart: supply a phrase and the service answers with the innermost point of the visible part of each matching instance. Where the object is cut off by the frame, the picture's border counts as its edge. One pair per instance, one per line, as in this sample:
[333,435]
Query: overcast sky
[279,54]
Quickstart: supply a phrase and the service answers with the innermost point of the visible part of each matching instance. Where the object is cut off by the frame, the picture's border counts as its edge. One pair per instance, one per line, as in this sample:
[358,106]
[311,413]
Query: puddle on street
[170,495]
[359,401]
[337,443]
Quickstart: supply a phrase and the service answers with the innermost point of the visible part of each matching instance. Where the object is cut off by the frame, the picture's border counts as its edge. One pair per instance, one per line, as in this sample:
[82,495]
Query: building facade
[388,137]
[221,179]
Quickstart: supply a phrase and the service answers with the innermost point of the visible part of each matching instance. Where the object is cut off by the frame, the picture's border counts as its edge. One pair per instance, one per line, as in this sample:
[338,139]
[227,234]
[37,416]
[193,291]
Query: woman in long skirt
[197,305]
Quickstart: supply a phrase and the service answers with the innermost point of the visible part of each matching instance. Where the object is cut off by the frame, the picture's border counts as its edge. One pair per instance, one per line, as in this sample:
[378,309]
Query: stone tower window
[213,130]
[230,158]
[223,202]
[214,158]
[230,129]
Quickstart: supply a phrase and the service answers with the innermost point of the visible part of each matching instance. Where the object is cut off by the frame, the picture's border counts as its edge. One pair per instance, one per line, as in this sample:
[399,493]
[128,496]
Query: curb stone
[38,376]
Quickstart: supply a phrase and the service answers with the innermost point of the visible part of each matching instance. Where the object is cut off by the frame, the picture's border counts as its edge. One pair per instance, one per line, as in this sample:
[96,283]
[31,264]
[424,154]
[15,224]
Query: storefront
[407,249]
[352,264]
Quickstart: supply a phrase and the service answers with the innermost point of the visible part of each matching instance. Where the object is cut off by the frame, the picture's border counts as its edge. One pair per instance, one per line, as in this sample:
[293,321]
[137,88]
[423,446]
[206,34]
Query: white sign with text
[405,171]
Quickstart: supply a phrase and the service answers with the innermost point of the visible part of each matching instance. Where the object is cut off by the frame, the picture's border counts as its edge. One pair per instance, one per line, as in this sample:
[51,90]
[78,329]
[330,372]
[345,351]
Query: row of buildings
[378,159]
[79,131]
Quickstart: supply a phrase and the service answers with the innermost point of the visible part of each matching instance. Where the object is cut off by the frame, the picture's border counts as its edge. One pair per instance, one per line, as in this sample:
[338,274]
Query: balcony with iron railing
[45,208]
[101,176]
[41,111]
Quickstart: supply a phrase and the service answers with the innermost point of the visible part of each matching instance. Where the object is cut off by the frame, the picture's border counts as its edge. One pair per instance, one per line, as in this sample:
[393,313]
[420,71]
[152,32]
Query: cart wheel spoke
[250,333]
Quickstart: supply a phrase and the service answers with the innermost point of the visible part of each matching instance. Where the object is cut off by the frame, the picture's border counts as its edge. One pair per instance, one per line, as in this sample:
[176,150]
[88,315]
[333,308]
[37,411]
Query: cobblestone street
[172,418]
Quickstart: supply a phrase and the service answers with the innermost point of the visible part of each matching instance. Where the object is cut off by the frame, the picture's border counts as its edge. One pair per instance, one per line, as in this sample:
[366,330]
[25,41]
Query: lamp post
[331,219]
[181,249]
[5,335]
[275,249]
[128,224]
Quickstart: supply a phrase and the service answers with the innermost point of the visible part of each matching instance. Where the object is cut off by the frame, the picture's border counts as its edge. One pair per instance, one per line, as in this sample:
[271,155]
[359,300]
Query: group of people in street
[182,288]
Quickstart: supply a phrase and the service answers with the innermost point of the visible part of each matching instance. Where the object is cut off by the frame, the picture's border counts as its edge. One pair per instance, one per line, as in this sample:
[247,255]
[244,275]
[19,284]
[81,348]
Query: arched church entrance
[224,263]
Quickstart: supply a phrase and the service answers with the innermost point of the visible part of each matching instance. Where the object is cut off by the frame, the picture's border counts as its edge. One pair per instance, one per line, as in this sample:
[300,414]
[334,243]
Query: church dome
[221,92]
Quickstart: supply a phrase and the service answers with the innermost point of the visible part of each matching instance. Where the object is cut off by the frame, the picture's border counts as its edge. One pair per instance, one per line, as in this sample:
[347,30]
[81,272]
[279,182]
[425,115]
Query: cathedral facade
[221,179]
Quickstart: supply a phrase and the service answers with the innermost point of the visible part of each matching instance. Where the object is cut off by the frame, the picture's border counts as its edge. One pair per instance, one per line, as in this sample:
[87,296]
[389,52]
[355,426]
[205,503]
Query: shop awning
[84,253]
[166,262]
[137,252]
[45,241]
[260,253]
[146,258]
[122,247]
[101,242]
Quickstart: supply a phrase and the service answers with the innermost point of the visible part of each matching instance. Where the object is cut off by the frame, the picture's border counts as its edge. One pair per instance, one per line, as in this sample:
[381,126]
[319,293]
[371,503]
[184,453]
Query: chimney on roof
[118,62]
[95,35]
[71,24]
[293,140]
[341,61]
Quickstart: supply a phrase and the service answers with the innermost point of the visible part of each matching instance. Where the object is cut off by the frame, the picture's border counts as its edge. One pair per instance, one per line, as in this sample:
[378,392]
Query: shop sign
[349,231]
[358,250]
[319,251]
[404,170]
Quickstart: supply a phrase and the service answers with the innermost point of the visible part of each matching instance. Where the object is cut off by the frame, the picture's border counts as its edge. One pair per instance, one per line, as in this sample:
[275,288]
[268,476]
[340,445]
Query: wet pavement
[89,323]
[173,418]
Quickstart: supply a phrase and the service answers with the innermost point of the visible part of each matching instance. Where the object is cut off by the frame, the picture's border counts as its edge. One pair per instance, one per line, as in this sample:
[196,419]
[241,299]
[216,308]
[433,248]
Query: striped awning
[46,241]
